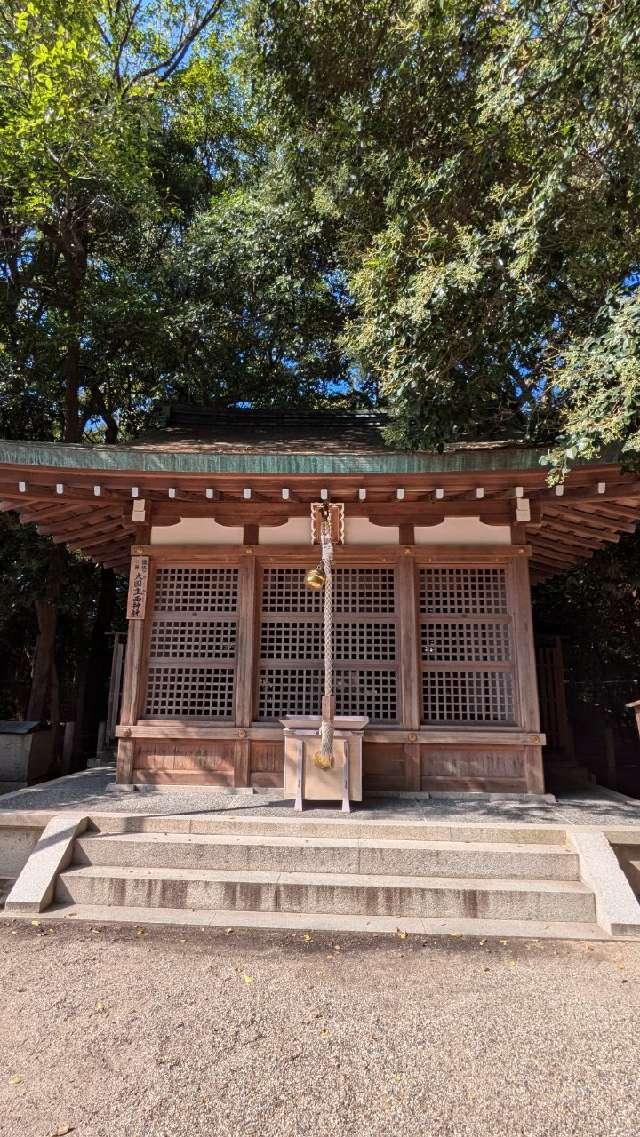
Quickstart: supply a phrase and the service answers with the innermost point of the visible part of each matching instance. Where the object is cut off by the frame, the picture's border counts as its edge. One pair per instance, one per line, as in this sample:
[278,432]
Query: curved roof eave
[115,458]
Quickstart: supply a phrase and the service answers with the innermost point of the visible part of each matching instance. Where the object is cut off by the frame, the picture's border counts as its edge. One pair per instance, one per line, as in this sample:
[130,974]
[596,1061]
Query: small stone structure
[26,753]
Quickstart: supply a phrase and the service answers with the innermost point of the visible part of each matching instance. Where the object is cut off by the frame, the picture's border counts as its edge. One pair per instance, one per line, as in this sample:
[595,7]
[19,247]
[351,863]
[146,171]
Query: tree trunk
[94,689]
[44,658]
[72,423]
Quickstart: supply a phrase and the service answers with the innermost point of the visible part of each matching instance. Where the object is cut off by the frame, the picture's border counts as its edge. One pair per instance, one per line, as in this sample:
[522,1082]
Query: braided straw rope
[326,730]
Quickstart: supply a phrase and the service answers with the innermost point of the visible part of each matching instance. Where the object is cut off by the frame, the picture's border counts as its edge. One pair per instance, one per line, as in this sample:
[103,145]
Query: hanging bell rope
[326,729]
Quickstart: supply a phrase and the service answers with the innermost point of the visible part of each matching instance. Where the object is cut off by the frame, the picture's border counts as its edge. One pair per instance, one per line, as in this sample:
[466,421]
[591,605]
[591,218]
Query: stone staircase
[344,875]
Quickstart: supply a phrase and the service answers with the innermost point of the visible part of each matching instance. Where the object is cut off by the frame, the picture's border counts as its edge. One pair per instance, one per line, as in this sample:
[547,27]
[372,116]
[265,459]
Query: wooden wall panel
[210,762]
[383,766]
[497,770]
[267,764]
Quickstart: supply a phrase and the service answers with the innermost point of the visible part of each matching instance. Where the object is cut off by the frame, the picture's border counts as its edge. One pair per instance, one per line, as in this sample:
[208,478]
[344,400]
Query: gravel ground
[166,1034]
[88,790]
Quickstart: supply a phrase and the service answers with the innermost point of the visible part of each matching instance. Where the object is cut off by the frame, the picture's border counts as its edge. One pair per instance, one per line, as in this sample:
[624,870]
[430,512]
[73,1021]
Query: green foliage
[480,164]
[596,609]
[600,375]
[259,311]
[114,124]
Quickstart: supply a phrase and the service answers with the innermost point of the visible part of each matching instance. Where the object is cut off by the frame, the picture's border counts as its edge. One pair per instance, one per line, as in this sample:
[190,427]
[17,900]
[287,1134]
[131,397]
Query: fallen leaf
[62,1130]
[455,935]
[400,934]
[16,1080]
[229,931]
[307,937]
[141,931]
[324,1031]
[504,941]
[482,942]
[101,1006]
[248,979]
[36,923]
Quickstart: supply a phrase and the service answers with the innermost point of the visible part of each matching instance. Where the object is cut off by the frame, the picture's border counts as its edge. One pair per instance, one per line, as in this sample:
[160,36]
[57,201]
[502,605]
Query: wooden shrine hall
[434,554]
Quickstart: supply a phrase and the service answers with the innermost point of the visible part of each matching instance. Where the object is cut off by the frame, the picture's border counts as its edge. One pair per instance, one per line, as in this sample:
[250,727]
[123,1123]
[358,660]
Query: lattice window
[196,590]
[289,691]
[468,696]
[463,591]
[466,642]
[193,644]
[368,639]
[367,692]
[193,639]
[365,635]
[359,592]
[294,639]
[190,692]
[284,590]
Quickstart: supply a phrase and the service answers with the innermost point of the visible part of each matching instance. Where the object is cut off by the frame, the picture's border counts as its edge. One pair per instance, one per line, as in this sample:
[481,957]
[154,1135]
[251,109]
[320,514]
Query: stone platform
[78,849]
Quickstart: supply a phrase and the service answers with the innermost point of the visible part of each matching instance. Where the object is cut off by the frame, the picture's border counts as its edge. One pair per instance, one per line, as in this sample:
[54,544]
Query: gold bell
[322,761]
[315,577]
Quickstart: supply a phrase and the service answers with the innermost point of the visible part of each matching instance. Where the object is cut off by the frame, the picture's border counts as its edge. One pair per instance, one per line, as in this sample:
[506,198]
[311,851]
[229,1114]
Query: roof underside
[235,466]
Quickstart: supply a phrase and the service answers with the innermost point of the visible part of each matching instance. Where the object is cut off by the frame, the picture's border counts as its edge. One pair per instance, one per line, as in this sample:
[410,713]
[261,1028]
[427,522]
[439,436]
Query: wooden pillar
[133,664]
[408,655]
[525,661]
[245,667]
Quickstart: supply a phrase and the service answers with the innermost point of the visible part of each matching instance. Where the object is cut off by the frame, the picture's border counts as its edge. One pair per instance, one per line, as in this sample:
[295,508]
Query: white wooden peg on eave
[246,493]
[97,491]
[439,494]
[22,487]
[479,493]
[400,493]
[135,492]
[324,494]
[208,493]
[362,494]
[560,491]
[286,494]
[601,487]
[59,488]
[171,491]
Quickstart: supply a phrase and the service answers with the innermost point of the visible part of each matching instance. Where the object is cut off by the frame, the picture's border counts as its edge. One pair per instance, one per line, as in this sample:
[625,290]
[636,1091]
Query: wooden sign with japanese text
[137,599]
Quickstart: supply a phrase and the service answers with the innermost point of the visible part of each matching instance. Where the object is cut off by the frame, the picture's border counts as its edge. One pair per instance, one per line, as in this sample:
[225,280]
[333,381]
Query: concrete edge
[617,909]
[333,924]
[34,888]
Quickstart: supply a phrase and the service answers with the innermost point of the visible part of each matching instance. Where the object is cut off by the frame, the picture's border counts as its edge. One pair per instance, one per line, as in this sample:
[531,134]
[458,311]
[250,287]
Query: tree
[480,164]
[260,307]
[98,162]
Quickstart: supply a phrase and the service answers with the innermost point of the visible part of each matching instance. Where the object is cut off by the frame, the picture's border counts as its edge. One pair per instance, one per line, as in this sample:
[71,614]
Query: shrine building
[434,557]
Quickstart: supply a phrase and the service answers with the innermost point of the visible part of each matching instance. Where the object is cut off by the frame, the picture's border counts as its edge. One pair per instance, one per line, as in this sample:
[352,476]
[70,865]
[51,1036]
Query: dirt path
[167,1034]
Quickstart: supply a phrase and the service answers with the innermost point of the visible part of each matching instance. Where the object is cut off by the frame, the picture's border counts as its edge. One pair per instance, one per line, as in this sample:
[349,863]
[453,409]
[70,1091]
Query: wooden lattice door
[193,644]
[365,644]
[466,646]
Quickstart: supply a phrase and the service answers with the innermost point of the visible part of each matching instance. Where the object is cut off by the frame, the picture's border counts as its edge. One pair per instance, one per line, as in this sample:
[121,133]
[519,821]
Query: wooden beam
[591,519]
[408,644]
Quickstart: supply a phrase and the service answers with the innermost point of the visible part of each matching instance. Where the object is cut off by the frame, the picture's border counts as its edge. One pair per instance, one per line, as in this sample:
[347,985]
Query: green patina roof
[210,459]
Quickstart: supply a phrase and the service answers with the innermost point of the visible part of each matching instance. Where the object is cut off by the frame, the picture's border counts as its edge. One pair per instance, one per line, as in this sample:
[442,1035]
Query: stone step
[330,855]
[341,826]
[347,893]
[318,922]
